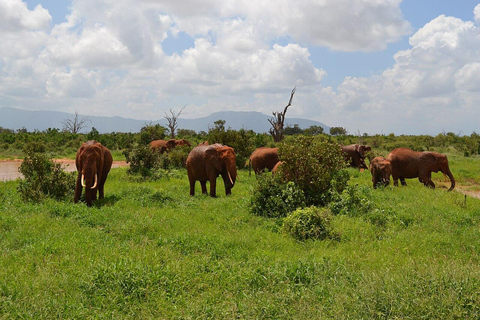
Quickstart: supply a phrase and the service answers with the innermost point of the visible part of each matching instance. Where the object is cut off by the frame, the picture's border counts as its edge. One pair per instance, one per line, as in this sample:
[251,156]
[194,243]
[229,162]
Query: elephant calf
[381,170]
[207,162]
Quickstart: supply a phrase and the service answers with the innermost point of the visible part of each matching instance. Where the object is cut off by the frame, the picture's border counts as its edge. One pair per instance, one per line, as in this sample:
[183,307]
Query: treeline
[13,143]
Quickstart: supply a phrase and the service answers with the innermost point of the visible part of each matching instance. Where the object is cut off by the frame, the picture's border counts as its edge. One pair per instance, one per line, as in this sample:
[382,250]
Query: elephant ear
[171,143]
[213,157]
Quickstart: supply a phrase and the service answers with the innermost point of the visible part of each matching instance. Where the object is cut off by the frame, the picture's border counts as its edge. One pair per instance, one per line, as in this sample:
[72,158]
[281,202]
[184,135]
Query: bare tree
[277,130]
[172,121]
[75,125]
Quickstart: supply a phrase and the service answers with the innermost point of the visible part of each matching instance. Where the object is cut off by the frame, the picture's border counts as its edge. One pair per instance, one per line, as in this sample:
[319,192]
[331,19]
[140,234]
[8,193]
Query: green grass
[149,250]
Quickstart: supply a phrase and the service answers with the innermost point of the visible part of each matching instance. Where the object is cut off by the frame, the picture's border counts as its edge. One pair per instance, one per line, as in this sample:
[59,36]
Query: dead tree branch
[75,125]
[278,121]
[172,121]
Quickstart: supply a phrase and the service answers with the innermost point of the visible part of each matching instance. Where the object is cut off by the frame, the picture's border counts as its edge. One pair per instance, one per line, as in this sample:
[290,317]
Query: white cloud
[108,59]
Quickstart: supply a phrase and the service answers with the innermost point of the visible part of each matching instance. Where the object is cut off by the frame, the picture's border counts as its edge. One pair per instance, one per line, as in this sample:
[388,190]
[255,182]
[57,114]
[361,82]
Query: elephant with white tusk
[93,162]
[207,162]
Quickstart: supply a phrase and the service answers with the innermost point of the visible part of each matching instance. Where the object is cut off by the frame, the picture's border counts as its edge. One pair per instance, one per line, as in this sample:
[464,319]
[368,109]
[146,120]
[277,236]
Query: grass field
[149,250]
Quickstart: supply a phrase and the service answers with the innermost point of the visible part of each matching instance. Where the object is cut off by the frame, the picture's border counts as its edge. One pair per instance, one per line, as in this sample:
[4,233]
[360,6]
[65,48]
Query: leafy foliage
[44,178]
[273,198]
[312,164]
[352,202]
[309,223]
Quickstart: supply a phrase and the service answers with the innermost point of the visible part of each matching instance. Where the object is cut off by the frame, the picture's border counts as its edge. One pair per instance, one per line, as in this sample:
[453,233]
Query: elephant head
[223,159]
[169,144]
[381,170]
[440,163]
[182,142]
[362,149]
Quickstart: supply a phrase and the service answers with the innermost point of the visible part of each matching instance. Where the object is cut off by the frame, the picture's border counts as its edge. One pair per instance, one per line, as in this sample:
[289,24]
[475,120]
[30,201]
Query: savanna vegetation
[339,249]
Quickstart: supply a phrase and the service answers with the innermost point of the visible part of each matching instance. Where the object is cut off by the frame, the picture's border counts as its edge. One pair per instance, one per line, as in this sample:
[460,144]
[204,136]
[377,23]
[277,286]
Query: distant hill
[11,118]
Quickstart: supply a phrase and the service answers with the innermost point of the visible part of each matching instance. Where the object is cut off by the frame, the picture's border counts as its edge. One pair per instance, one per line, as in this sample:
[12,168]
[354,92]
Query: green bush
[315,166]
[272,198]
[44,178]
[309,223]
[353,201]
[142,160]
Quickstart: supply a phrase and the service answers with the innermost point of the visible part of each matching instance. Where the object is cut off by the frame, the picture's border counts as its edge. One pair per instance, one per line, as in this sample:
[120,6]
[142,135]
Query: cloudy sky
[371,66]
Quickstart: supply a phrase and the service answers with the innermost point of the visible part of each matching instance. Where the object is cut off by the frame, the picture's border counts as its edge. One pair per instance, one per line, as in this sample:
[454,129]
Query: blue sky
[398,66]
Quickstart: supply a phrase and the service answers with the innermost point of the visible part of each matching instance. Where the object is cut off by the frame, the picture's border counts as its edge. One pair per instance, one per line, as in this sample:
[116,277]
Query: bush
[271,198]
[142,160]
[352,202]
[44,178]
[315,166]
[309,223]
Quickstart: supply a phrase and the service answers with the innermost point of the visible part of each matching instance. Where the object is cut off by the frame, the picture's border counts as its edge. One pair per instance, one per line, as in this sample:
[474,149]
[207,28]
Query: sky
[370,66]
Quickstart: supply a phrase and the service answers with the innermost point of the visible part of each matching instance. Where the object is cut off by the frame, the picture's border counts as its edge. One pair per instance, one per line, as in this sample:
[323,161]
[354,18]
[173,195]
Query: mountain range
[11,118]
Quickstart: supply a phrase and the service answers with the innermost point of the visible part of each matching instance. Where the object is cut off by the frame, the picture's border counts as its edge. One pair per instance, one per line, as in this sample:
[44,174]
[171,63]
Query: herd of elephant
[206,162]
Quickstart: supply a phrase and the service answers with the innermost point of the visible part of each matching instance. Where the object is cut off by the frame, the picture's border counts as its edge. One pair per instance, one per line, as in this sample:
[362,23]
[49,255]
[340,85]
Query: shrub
[352,202]
[44,178]
[309,223]
[142,160]
[315,166]
[271,198]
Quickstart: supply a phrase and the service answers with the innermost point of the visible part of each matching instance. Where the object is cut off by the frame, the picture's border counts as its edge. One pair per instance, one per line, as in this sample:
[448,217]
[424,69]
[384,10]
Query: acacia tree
[278,121]
[75,125]
[172,121]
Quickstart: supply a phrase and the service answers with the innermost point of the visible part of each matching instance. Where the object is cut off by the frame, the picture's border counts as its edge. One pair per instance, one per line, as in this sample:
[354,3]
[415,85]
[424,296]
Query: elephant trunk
[452,179]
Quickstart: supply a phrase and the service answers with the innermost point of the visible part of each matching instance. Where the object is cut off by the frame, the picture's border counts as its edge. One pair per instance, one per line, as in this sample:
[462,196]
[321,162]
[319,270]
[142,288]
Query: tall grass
[149,250]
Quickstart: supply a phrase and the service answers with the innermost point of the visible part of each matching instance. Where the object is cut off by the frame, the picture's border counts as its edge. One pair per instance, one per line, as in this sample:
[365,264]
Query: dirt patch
[9,168]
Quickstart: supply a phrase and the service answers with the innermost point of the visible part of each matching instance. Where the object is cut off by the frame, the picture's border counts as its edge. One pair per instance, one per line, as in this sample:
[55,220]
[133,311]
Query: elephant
[276,167]
[381,170]
[166,145]
[93,162]
[355,155]
[408,164]
[207,162]
[263,158]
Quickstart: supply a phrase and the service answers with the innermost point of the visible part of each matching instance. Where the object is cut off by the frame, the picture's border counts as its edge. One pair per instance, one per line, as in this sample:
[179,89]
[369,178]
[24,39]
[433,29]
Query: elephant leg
[78,189]
[402,180]
[204,186]
[101,190]
[213,188]
[192,187]
[427,181]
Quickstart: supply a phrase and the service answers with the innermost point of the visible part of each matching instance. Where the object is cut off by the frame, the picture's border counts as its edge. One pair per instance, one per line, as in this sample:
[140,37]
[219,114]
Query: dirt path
[9,168]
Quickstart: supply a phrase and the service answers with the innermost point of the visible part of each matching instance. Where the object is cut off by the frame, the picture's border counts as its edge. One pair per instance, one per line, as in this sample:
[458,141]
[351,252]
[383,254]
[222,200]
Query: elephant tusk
[95,184]
[230,177]
[83,181]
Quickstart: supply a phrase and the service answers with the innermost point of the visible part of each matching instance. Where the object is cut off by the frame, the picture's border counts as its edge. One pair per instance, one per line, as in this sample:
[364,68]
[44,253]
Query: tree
[277,130]
[337,131]
[313,130]
[290,131]
[75,125]
[172,121]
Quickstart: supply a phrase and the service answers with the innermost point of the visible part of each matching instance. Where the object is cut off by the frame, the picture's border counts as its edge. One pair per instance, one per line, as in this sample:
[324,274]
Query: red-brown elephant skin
[355,155]
[207,162]
[263,158]
[93,162]
[407,164]
[276,167]
[381,170]
[166,145]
